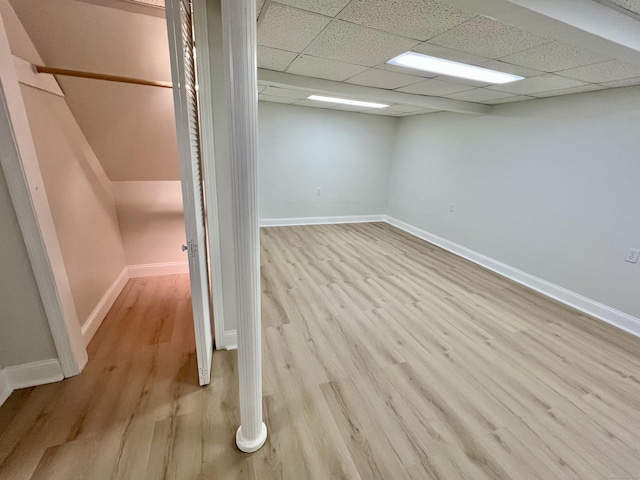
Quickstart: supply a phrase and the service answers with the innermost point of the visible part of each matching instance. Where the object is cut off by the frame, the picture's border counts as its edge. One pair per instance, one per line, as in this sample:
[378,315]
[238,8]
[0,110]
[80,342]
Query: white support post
[239,32]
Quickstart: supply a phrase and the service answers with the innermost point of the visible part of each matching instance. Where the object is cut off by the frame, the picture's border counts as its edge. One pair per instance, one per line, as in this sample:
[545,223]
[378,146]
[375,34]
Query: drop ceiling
[350,41]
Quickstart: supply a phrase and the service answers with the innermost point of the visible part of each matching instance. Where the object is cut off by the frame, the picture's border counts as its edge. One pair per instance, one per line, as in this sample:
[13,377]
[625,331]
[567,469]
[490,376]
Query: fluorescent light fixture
[426,63]
[346,101]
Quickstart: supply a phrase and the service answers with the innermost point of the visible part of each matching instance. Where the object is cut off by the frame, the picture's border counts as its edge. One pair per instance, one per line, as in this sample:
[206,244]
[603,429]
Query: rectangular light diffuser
[426,63]
[346,101]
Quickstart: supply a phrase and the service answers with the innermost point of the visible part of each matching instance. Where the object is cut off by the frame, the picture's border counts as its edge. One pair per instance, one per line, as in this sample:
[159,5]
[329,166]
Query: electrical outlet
[452,207]
[317,191]
[632,256]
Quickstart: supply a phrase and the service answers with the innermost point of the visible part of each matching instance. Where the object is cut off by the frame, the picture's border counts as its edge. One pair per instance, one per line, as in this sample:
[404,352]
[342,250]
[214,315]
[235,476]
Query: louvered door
[182,51]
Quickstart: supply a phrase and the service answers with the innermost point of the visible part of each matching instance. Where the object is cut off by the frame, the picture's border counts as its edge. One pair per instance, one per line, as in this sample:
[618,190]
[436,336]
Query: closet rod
[101,76]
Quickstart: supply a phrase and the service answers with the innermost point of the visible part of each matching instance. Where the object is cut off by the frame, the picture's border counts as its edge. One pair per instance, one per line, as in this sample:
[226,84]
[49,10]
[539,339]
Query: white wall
[78,190]
[551,187]
[80,198]
[347,155]
[24,331]
[151,221]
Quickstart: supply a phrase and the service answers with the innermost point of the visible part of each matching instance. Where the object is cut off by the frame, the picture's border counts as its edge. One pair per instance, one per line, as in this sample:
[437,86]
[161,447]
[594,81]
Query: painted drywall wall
[24,330]
[548,186]
[346,155]
[151,221]
[130,128]
[80,198]
[78,190]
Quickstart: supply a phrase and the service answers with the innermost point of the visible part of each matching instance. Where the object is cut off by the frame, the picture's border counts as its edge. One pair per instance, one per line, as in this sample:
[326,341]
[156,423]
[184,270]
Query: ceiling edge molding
[588,24]
[281,79]
[263,11]
[128,6]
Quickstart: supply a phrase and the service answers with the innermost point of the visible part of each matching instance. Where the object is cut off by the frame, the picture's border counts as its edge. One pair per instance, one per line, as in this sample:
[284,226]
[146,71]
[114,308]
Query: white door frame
[207,138]
[21,168]
[26,187]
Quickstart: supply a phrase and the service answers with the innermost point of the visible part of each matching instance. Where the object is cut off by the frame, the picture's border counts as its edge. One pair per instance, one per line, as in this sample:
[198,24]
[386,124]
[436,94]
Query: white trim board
[5,387]
[155,269]
[42,81]
[208,137]
[230,340]
[610,315]
[287,222]
[619,319]
[91,325]
[34,373]
[22,172]
[28,375]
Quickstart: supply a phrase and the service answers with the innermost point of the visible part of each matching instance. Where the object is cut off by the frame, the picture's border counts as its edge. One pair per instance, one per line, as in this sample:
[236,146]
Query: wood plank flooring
[384,358]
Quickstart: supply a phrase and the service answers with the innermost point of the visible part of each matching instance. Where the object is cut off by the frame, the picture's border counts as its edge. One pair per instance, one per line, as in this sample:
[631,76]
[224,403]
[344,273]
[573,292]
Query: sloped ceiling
[130,127]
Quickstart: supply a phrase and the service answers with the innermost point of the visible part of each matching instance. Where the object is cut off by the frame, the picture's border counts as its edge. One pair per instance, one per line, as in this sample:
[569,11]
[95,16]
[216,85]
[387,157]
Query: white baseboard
[5,387]
[287,222]
[229,341]
[154,269]
[35,373]
[598,310]
[91,325]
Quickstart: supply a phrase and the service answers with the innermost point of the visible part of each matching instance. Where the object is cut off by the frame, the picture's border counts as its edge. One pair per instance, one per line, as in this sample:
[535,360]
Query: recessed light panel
[346,101]
[426,63]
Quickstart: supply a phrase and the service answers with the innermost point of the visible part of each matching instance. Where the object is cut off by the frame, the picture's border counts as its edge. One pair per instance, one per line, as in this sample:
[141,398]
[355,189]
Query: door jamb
[24,180]
[207,139]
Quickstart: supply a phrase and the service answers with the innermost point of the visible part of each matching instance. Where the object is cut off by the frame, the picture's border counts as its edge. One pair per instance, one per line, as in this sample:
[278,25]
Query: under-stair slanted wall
[131,128]
[78,190]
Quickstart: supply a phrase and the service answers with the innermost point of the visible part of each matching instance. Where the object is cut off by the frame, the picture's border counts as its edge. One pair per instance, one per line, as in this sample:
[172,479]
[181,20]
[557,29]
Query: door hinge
[192,246]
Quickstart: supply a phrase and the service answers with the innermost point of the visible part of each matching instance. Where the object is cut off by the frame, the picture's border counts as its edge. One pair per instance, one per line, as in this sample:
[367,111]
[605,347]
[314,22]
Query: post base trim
[250,446]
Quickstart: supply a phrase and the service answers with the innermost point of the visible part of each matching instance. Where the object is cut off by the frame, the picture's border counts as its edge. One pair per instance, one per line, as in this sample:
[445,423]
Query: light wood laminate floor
[384,358]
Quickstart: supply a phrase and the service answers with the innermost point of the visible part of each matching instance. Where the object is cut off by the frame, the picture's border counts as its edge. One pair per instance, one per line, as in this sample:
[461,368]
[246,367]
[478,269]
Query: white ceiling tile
[325,7]
[569,91]
[405,108]
[623,83]
[512,69]
[489,38]
[603,72]
[543,83]
[285,92]
[324,68]
[419,19]
[358,45]
[273,59]
[554,56]
[632,6]
[383,79]
[449,54]
[405,71]
[288,28]
[479,95]
[268,98]
[517,98]
[434,87]
[259,5]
